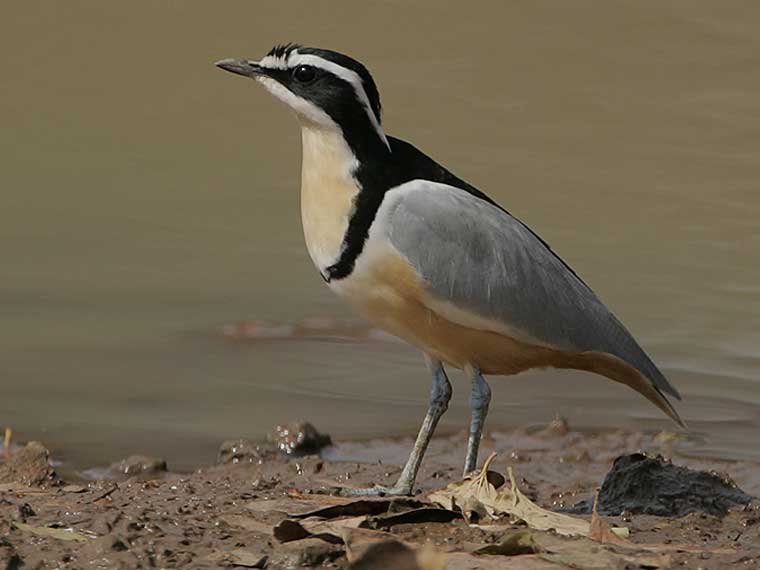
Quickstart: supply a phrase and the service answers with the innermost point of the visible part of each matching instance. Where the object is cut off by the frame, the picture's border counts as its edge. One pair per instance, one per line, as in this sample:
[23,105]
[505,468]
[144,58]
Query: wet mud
[262,508]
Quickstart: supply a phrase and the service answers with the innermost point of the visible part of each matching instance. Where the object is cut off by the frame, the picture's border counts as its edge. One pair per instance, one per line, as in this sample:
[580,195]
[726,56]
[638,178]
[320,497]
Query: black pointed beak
[240,67]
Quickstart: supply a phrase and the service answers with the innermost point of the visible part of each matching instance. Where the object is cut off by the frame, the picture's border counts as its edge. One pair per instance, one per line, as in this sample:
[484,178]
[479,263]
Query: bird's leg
[480,397]
[440,394]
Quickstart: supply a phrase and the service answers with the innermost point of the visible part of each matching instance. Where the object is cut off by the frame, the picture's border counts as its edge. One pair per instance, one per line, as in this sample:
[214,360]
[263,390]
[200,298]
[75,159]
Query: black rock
[640,484]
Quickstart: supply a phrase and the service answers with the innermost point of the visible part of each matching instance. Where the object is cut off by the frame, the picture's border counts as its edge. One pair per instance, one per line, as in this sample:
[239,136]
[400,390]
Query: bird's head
[326,89]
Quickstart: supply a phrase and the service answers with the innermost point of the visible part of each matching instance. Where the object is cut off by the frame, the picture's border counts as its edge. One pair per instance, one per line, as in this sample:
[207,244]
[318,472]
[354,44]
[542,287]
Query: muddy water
[146,199]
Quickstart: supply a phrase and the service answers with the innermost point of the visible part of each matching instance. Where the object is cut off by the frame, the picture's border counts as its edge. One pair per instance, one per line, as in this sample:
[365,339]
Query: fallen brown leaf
[328,507]
[474,494]
[574,552]
[58,533]
[477,494]
[415,516]
[514,544]
[329,531]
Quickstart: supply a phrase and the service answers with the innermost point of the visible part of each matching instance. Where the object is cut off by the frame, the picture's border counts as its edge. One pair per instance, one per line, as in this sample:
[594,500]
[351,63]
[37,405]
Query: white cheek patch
[301,106]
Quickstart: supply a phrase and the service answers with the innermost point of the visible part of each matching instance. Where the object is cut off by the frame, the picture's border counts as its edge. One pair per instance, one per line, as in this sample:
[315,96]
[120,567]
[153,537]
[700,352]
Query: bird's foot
[378,491]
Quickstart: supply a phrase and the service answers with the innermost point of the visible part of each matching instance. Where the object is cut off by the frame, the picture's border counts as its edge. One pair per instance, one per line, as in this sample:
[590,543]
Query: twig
[104,494]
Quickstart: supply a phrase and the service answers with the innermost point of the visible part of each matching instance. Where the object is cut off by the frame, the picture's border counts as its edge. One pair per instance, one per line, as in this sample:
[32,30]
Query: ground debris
[239,557]
[7,439]
[573,552]
[584,554]
[337,513]
[329,506]
[476,495]
[51,532]
[298,439]
[139,467]
[9,558]
[558,427]
[413,516]
[29,466]
[640,484]
[513,544]
[247,523]
[236,516]
[234,451]
[330,531]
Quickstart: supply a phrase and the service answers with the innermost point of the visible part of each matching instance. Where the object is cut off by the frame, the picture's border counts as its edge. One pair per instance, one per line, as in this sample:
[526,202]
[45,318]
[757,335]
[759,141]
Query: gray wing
[478,257]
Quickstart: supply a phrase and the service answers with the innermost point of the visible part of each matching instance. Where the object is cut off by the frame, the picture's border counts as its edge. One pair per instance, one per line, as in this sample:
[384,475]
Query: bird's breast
[328,190]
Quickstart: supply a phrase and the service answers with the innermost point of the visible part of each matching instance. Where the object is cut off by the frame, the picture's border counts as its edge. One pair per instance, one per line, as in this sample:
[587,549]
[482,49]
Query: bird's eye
[304,73]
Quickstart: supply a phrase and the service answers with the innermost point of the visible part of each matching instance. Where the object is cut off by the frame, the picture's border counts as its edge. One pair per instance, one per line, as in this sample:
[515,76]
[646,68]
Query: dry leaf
[329,531]
[415,516]
[513,502]
[328,507]
[59,533]
[584,558]
[602,532]
[514,544]
[578,552]
[477,492]
[358,507]
[474,494]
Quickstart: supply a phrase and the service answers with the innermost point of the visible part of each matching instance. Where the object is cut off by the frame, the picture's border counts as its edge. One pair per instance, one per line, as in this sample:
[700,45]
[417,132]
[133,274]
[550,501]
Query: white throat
[328,189]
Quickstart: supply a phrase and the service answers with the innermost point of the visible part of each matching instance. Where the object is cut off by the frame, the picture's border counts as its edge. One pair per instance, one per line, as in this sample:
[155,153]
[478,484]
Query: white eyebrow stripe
[295,59]
[273,62]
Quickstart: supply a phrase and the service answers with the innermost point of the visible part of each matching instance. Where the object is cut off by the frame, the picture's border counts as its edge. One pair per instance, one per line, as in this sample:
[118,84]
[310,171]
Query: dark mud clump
[298,439]
[640,484]
[137,467]
[29,466]
[235,451]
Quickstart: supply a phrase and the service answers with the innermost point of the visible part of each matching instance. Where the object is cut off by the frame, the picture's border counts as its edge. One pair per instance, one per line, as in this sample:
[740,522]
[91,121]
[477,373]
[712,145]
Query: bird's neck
[328,191]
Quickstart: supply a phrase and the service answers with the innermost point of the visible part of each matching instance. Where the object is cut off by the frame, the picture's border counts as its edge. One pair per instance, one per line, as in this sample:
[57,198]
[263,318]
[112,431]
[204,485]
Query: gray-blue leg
[440,394]
[480,398]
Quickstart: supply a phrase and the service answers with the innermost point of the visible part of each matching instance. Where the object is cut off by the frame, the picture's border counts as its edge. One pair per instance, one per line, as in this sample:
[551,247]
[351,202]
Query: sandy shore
[248,511]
